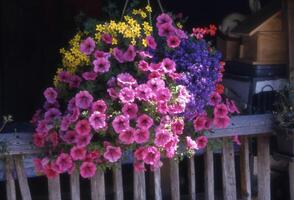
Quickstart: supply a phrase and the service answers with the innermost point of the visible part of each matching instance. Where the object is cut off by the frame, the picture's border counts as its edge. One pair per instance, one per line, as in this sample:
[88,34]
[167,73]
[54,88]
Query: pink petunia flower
[199,123]
[221,121]
[169,65]
[83,99]
[50,95]
[64,162]
[38,140]
[83,127]
[50,172]
[99,106]
[120,123]
[127,136]
[78,153]
[139,166]
[52,113]
[162,107]
[201,142]
[43,127]
[130,109]
[220,110]
[97,120]
[155,84]
[166,30]
[127,95]
[53,138]
[144,122]
[65,123]
[70,137]
[151,42]
[87,169]
[173,41]
[144,54]
[64,76]
[191,144]
[143,92]
[74,114]
[215,99]
[154,74]
[118,55]
[107,38]
[151,155]
[232,108]
[163,19]
[101,65]
[177,126]
[89,76]
[163,95]
[130,54]
[112,154]
[171,146]
[236,139]
[87,46]
[143,66]
[162,137]
[141,136]
[112,93]
[126,80]
[155,67]
[102,54]
[139,153]
[38,165]
[83,140]
[74,81]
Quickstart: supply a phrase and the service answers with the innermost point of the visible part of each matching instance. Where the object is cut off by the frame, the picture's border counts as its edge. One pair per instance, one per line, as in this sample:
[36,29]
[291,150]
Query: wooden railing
[259,126]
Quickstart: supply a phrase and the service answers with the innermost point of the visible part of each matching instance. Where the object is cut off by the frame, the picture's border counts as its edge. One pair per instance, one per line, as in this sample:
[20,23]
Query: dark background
[33,31]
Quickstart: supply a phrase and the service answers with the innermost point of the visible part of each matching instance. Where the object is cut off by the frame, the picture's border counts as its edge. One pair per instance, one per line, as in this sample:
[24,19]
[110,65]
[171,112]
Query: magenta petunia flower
[83,127]
[221,121]
[155,67]
[88,169]
[145,54]
[65,122]
[130,54]
[127,95]
[87,46]
[64,76]
[107,38]
[143,92]
[118,55]
[83,99]
[139,166]
[127,136]
[89,76]
[64,162]
[38,140]
[162,107]
[97,120]
[101,65]
[78,153]
[101,54]
[201,142]
[232,108]
[83,140]
[144,122]
[220,110]
[52,113]
[156,83]
[143,65]
[177,126]
[120,123]
[173,41]
[112,154]
[74,114]
[215,99]
[74,81]
[163,19]
[50,172]
[130,109]
[50,95]
[126,80]
[151,42]
[199,123]
[169,65]
[163,95]
[162,137]
[181,34]
[141,136]
[151,155]
[70,137]
[191,144]
[99,106]
[139,153]
[166,30]
[176,108]
[171,146]
[112,93]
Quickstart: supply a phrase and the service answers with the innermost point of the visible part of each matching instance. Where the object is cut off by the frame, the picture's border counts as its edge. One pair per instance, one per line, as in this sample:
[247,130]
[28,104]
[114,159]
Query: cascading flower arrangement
[128,87]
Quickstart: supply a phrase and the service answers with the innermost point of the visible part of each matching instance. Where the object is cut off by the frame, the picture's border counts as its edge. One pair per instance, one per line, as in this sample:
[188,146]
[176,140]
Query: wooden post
[291,179]
[174,179]
[228,170]
[10,184]
[157,184]
[208,174]
[290,28]
[22,178]
[192,178]
[98,186]
[139,186]
[245,169]
[54,188]
[75,184]
[118,182]
[263,168]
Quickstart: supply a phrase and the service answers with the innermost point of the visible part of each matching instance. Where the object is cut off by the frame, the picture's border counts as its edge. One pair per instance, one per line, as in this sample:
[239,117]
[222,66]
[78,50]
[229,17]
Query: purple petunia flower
[87,46]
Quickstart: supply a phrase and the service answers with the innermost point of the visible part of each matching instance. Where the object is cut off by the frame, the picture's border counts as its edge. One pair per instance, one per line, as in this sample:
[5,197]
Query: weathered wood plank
[75,184]
[245,169]
[118,182]
[10,184]
[208,174]
[174,179]
[263,168]
[192,178]
[98,186]
[54,188]
[290,28]
[228,170]
[22,178]
[157,184]
[291,179]
[139,186]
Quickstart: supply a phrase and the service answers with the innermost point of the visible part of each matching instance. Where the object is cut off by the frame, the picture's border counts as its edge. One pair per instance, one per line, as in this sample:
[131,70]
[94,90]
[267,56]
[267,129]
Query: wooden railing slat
[75,184]
[22,178]
[54,188]
[263,168]
[228,171]
[291,179]
[118,182]
[139,186]
[208,174]
[245,170]
[157,184]
[192,178]
[174,179]
[98,186]
[10,184]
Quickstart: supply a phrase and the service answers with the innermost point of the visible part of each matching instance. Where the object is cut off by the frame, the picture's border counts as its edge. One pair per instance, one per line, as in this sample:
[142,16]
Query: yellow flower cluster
[73,57]
[139,12]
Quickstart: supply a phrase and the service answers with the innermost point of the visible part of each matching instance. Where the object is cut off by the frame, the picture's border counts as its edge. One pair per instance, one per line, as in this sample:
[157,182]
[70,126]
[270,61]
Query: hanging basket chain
[160,6]
[124,9]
